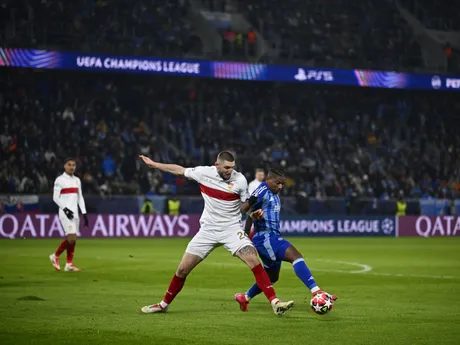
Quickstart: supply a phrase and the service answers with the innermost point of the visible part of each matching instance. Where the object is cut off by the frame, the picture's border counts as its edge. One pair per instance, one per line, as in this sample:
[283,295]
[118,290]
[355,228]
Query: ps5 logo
[317,75]
[452,83]
[436,82]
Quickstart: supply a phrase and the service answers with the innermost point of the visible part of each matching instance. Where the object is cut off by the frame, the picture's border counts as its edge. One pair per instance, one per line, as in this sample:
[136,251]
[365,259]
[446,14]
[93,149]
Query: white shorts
[205,241]
[70,226]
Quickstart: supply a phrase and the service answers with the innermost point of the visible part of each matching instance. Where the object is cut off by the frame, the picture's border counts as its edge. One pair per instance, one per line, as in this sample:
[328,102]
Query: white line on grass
[365,269]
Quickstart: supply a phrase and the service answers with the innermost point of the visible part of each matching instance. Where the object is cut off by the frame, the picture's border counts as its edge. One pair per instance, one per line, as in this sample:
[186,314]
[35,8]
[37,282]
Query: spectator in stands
[326,140]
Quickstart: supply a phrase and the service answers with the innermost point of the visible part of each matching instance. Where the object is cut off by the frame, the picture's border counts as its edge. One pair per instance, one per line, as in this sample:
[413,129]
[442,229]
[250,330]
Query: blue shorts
[271,248]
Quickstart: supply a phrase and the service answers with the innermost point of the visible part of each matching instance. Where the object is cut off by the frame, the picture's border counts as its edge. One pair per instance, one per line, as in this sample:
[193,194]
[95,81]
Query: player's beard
[222,175]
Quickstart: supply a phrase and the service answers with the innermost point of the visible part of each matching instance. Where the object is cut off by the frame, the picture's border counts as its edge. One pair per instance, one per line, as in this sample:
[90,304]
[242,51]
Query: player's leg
[71,232]
[271,264]
[273,272]
[71,244]
[197,250]
[292,255]
[240,246]
[54,258]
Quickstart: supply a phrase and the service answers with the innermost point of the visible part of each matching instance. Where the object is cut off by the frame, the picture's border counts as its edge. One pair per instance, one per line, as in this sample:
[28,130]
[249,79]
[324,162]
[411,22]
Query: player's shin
[176,285]
[304,274]
[273,274]
[61,248]
[70,251]
[264,283]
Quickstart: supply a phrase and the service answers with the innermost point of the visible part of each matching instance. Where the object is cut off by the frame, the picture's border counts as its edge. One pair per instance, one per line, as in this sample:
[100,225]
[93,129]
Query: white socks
[274,301]
[313,290]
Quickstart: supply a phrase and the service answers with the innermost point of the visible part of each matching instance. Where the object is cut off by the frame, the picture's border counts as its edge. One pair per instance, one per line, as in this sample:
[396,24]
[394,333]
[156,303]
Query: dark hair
[276,171]
[69,159]
[260,170]
[225,156]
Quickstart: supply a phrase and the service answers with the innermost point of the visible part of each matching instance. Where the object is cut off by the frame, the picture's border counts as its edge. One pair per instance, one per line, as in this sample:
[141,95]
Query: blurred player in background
[258,179]
[272,248]
[68,196]
[225,194]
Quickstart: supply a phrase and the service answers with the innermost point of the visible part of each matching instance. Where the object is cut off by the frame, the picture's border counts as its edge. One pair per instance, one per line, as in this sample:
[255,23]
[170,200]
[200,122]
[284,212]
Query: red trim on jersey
[69,190]
[218,194]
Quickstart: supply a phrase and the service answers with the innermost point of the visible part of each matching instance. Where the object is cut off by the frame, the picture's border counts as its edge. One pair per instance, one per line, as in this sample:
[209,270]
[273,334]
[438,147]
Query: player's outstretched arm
[168,168]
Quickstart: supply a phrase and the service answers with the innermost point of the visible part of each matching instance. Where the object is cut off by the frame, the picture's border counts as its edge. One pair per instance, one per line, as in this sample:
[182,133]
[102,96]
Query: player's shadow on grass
[30,298]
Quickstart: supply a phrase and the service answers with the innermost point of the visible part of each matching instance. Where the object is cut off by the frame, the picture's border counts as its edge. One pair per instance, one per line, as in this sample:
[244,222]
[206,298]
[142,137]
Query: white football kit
[67,193]
[220,222]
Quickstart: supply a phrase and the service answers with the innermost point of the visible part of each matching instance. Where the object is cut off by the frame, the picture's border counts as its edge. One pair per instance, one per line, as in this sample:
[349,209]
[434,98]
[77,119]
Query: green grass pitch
[391,291]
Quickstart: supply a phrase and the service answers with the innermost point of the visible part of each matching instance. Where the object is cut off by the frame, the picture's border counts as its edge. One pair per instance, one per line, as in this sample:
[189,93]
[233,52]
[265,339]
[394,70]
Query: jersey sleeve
[260,193]
[81,200]
[57,192]
[244,194]
[194,173]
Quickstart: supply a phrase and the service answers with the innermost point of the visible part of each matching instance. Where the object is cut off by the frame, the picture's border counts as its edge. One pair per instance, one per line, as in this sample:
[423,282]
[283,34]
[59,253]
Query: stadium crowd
[336,33]
[437,15]
[136,27]
[331,140]
[333,33]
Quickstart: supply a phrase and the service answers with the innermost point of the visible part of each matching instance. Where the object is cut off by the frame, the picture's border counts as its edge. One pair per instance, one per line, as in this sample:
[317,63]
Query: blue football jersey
[271,205]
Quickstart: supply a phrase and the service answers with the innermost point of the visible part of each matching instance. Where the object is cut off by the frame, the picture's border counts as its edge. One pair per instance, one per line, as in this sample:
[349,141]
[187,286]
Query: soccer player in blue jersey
[272,248]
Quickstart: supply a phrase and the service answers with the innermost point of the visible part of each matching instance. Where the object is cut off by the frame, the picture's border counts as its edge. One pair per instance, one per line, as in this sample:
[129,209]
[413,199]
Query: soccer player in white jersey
[68,196]
[225,194]
[259,177]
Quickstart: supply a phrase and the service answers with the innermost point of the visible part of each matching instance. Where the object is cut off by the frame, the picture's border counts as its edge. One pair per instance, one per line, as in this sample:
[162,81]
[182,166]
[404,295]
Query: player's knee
[298,255]
[249,255]
[183,271]
[292,254]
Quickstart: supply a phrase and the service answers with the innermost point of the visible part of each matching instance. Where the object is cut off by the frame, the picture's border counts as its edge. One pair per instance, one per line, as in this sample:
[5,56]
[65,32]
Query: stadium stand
[330,139]
[136,27]
[336,33]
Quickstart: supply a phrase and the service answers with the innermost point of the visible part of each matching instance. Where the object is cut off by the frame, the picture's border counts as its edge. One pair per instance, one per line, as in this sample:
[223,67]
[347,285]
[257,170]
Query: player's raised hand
[257,214]
[147,161]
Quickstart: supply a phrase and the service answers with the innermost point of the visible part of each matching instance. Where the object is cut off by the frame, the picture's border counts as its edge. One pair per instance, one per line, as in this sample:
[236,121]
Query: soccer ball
[321,303]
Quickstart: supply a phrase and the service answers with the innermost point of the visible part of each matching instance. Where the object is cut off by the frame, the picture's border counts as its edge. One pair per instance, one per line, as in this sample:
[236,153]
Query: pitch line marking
[365,269]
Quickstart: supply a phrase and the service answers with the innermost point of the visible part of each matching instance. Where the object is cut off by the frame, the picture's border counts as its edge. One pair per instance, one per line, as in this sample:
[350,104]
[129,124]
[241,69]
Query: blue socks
[304,274]
[253,291]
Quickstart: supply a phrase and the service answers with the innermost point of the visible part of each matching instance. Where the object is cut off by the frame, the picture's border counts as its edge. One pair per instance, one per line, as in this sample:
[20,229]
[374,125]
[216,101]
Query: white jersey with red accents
[67,193]
[222,198]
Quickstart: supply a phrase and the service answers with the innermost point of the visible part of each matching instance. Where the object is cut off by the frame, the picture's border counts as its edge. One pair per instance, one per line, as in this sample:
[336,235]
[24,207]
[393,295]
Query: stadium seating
[125,27]
[330,140]
[434,14]
[331,33]
[336,33]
